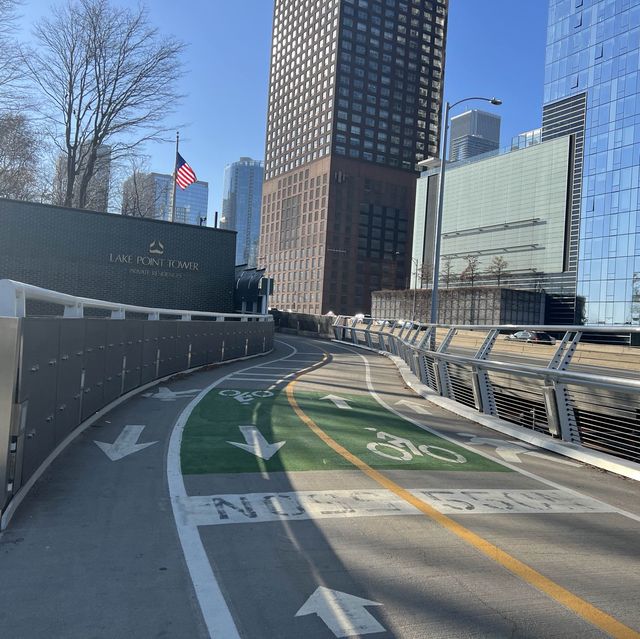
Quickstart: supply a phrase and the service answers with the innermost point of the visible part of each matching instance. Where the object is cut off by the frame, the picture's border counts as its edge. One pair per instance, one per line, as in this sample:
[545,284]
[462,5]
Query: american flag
[184,173]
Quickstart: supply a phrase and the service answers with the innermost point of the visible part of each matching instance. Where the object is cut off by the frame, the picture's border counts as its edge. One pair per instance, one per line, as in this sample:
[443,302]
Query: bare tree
[447,274]
[425,274]
[19,158]
[538,277]
[498,268]
[471,270]
[106,78]
[141,196]
[9,66]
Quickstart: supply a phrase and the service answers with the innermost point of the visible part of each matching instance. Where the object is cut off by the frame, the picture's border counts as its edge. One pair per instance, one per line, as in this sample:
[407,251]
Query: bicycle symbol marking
[245,397]
[401,449]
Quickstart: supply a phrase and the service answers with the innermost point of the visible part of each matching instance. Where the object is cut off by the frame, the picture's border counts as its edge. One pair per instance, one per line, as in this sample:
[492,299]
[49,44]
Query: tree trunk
[87,174]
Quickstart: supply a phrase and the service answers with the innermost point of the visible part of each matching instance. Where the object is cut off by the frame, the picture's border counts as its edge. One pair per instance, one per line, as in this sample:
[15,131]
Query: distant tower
[473,133]
[242,194]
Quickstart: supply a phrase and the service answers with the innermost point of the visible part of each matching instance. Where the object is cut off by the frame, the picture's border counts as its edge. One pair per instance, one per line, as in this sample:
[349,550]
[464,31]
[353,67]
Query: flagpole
[175,169]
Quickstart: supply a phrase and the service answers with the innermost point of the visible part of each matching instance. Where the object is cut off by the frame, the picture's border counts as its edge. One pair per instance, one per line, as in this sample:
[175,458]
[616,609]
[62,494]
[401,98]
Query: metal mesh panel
[607,421]
[520,401]
[461,384]
[429,376]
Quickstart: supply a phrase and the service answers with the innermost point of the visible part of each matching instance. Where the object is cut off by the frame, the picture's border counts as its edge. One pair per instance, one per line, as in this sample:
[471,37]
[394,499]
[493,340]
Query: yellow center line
[581,607]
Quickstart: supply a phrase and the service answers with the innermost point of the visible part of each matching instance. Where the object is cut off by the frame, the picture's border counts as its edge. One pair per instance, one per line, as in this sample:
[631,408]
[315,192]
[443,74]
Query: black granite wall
[116,258]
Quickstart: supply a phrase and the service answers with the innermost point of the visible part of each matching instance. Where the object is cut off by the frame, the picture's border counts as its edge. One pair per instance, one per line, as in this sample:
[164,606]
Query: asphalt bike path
[325,535]
[310,493]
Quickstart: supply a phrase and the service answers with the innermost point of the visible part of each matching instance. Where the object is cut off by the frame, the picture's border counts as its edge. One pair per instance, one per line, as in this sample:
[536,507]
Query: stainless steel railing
[580,391]
[14,296]
[58,372]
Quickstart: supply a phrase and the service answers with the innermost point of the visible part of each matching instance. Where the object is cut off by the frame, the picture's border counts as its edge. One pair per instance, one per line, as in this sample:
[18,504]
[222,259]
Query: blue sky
[495,47]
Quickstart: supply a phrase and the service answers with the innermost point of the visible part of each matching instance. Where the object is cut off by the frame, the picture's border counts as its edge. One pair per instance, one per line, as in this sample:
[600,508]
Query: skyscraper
[355,97]
[592,91]
[241,206]
[149,195]
[473,133]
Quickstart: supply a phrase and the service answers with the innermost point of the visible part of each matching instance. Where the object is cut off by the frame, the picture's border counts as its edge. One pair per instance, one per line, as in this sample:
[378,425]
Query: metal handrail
[547,328]
[13,297]
[584,407]
[564,376]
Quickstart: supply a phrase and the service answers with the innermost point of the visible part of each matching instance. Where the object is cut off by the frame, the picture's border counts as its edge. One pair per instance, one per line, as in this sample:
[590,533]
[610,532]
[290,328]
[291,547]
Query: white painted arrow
[510,451]
[416,408]
[125,444]
[344,614]
[257,444]
[340,402]
[165,394]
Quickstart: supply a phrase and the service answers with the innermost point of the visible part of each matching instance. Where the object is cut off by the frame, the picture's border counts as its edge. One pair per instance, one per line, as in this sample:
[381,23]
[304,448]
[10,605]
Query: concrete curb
[593,458]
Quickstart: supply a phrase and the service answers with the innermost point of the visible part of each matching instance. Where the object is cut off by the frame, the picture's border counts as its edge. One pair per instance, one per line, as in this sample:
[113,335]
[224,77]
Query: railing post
[10,414]
[560,414]
[441,371]
[12,300]
[367,334]
[73,310]
[426,338]
[482,388]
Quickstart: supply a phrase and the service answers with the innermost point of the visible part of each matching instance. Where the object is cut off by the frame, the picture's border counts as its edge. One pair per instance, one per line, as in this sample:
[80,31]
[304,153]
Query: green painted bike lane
[378,437]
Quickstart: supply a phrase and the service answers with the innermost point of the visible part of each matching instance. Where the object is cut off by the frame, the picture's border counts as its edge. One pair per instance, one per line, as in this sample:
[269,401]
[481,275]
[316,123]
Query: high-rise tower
[355,97]
[473,133]
[241,206]
[592,92]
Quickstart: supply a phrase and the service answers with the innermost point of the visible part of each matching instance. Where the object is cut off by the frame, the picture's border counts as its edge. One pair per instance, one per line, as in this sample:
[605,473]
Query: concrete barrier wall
[56,373]
[479,305]
[304,324]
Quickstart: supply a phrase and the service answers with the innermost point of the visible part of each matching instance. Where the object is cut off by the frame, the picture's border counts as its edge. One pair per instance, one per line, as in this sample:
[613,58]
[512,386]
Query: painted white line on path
[277,380]
[259,374]
[521,471]
[340,402]
[278,368]
[216,613]
[212,510]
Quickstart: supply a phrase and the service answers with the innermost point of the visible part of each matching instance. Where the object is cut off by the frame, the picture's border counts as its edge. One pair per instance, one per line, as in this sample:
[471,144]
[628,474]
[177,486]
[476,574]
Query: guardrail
[58,373]
[14,296]
[584,393]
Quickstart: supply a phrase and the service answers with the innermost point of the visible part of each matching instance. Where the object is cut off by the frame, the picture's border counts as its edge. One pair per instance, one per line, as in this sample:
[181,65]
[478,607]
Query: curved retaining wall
[56,373]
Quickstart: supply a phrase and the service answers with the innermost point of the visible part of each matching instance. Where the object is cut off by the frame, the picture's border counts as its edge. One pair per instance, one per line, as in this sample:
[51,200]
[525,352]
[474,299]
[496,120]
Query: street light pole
[414,262]
[439,210]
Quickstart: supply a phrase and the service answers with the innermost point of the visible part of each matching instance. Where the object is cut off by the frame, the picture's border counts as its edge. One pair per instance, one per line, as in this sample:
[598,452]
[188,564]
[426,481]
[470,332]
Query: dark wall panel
[117,258]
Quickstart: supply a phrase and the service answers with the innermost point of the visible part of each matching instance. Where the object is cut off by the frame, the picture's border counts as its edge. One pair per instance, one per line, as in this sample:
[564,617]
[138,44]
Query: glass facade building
[526,139]
[355,100]
[242,194]
[509,206]
[592,81]
[149,195]
[191,203]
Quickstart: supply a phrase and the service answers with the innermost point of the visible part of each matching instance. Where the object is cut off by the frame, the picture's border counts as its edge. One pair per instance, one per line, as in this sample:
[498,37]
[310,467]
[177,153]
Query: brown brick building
[355,98]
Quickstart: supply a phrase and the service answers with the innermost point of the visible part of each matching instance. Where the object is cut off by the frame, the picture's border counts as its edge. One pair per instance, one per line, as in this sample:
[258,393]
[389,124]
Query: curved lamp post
[439,211]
